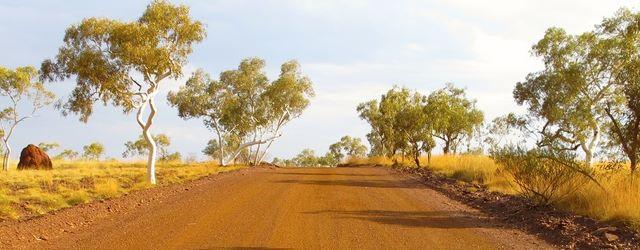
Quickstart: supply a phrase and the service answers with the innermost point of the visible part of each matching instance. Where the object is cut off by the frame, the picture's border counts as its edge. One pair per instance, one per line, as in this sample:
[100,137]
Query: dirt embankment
[561,228]
[329,208]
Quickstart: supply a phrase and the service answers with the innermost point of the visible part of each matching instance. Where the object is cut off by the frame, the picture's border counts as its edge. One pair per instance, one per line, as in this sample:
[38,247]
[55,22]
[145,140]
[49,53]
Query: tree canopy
[243,108]
[453,116]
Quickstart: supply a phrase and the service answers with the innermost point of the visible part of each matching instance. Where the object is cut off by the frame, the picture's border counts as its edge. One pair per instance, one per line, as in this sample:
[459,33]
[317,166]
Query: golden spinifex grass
[32,192]
[618,200]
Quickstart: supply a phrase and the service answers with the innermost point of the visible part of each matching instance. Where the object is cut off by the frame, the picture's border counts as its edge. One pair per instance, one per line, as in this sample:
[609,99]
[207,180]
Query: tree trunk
[591,146]
[146,126]
[151,160]
[588,157]
[633,164]
[221,150]
[447,147]
[5,158]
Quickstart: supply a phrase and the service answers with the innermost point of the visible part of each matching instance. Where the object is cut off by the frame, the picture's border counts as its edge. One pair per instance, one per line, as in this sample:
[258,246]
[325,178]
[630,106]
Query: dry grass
[32,192]
[618,202]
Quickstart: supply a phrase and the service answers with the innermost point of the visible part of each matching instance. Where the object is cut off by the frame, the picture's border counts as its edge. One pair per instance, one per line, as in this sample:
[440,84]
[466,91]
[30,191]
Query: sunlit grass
[32,192]
[617,201]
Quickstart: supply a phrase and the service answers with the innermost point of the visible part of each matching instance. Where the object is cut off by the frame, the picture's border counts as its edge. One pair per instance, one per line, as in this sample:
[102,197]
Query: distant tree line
[347,147]
[407,123]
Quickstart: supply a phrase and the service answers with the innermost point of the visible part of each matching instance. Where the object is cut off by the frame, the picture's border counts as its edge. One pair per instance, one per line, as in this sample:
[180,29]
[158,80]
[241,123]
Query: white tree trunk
[249,144]
[146,126]
[589,148]
[151,160]
[7,153]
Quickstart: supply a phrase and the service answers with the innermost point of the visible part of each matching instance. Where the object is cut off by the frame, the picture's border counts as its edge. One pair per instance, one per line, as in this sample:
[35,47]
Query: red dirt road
[325,208]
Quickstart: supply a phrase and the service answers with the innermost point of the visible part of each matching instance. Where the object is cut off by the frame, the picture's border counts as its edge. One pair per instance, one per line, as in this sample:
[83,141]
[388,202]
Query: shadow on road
[429,219]
[356,183]
[327,174]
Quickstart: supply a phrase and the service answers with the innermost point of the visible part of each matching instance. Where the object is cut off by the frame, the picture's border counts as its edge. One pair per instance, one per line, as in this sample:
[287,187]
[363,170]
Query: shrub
[543,176]
[106,189]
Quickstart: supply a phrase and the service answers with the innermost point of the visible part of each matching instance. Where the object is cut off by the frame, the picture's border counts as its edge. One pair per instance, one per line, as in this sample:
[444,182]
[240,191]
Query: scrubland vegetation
[616,200]
[30,192]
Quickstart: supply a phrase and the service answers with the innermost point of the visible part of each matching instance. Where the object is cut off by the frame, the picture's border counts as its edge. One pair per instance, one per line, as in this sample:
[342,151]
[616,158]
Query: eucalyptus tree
[347,147]
[621,36]
[19,88]
[285,99]
[414,126]
[46,147]
[453,116]
[243,108]
[67,154]
[382,117]
[93,151]
[570,93]
[141,146]
[370,112]
[125,63]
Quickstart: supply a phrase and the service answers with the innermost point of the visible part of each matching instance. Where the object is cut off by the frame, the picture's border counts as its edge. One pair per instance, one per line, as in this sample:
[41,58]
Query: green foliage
[306,158]
[383,116]
[104,55]
[93,151]
[405,122]
[46,147]
[542,175]
[67,154]
[243,108]
[347,146]
[453,116]
[173,157]
[141,147]
[622,40]
[574,79]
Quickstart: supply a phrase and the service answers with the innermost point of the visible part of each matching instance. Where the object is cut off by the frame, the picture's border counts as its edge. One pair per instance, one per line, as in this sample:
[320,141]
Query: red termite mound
[33,157]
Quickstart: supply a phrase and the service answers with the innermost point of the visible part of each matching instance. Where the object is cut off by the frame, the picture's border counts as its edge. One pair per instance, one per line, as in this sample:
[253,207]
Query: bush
[543,176]
[107,189]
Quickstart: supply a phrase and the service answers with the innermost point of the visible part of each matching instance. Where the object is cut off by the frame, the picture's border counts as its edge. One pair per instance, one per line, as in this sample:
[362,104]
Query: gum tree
[243,108]
[125,63]
[141,147]
[93,151]
[19,88]
[453,116]
[415,128]
[382,116]
[621,35]
[570,93]
[48,146]
[285,98]
[347,147]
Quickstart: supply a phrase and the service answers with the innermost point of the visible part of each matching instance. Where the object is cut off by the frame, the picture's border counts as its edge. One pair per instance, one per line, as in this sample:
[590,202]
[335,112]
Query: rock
[601,231]
[611,237]
[33,157]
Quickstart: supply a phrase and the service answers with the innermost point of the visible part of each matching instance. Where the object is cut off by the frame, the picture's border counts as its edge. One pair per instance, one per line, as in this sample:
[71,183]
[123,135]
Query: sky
[353,51]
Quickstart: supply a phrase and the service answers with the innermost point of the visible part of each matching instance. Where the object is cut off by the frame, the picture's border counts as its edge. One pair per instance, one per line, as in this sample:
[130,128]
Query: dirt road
[328,208]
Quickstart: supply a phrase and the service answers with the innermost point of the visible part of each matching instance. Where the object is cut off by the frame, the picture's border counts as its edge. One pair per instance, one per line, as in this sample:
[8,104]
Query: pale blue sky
[352,50]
